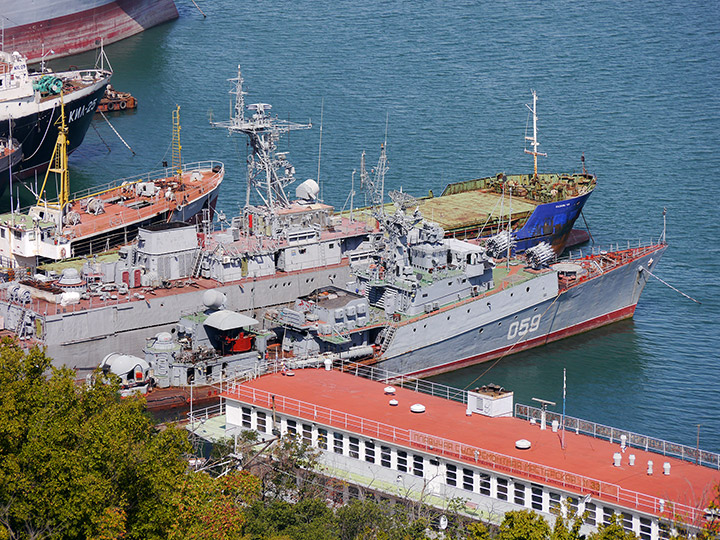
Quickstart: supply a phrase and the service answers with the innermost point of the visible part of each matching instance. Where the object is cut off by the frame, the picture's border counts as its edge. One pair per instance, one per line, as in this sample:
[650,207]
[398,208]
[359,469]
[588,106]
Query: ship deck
[363,405]
[265,244]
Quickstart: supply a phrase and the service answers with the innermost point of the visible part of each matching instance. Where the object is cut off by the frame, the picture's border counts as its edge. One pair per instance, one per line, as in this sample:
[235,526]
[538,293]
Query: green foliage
[76,461]
[523,525]
[478,531]
[308,519]
[614,530]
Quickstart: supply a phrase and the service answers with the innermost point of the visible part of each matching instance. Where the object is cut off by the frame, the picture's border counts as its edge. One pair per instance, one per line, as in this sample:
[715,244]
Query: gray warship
[270,254]
[426,304]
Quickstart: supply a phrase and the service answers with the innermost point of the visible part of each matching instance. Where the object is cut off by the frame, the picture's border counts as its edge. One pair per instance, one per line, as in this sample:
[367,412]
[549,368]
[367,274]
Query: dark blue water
[635,86]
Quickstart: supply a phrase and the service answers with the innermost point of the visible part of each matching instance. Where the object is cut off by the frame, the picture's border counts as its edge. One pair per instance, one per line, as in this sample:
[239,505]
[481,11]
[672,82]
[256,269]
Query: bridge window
[292,427]
[520,494]
[484,484]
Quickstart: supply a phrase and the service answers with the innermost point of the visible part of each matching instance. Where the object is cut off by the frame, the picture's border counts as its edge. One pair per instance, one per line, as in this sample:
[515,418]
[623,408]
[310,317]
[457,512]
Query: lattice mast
[176,146]
[533,140]
[374,182]
[59,164]
[269,171]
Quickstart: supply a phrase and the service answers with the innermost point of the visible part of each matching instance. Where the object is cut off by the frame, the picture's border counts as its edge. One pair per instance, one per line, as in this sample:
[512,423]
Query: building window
[484,484]
[663,531]
[402,461]
[573,506]
[261,423]
[468,479]
[555,503]
[627,521]
[246,417]
[418,465]
[451,475]
[645,529]
[307,433]
[322,439]
[590,514]
[608,514]
[536,497]
[519,494]
[292,427]
[370,451]
[354,447]
[385,456]
[502,489]
[338,443]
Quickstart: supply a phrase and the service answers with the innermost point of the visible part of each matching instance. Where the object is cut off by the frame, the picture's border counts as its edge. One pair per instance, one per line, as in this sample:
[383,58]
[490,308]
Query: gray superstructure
[427,304]
[271,254]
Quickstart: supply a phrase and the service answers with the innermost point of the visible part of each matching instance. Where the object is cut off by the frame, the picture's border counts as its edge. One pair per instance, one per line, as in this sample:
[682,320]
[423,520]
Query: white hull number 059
[522,327]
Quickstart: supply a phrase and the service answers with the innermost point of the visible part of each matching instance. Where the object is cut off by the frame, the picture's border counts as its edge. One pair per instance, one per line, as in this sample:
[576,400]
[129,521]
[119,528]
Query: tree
[523,525]
[76,461]
[613,530]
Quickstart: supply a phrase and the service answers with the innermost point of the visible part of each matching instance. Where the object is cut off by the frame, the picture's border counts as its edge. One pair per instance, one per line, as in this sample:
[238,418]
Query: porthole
[527,289]
[480,331]
[500,324]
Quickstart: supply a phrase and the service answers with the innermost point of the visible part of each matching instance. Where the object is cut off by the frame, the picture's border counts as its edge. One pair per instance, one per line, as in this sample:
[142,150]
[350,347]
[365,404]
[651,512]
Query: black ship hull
[37,133]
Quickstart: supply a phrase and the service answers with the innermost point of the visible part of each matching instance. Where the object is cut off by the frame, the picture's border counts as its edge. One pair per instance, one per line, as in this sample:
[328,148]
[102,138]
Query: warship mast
[269,171]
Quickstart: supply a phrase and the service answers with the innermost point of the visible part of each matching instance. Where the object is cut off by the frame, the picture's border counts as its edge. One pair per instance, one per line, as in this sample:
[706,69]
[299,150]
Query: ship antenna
[269,171]
[176,146]
[322,109]
[533,140]
[662,237]
[582,160]
[10,124]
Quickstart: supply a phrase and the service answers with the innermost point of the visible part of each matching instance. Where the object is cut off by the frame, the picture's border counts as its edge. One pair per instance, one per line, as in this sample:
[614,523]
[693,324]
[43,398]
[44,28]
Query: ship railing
[159,174]
[587,251]
[512,466]
[200,416]
[615,435]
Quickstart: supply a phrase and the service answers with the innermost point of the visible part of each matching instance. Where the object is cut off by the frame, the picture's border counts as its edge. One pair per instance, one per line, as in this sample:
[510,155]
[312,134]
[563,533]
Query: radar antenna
[269,171]
[533,140]
[403,200]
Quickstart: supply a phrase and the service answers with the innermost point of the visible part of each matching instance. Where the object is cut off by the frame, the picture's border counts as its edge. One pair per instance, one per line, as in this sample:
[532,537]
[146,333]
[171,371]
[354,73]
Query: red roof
[585,466]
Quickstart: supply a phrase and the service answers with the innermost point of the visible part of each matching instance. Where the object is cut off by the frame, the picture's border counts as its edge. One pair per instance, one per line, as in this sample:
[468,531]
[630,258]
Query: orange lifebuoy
[63,252]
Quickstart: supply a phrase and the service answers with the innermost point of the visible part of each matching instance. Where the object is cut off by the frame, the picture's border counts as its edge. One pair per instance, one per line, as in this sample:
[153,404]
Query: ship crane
[269,171]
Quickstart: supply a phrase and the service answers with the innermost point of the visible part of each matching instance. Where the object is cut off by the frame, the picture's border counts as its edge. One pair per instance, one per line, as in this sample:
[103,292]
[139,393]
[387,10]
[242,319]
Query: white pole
[563,413]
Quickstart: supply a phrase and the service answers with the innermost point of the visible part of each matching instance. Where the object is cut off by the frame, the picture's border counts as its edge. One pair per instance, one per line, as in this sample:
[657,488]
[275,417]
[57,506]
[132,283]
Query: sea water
[635,87]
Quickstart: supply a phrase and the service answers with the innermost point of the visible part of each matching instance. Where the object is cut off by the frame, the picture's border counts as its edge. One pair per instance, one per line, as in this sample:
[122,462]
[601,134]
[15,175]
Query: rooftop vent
[418,408]
[393,402]
[523,444]
[389,390]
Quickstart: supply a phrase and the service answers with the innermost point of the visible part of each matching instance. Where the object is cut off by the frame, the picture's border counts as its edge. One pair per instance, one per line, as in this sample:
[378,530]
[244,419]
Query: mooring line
[668,285]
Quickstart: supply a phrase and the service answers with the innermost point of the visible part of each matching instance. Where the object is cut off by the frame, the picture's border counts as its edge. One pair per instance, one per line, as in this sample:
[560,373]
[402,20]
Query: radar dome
[308,190]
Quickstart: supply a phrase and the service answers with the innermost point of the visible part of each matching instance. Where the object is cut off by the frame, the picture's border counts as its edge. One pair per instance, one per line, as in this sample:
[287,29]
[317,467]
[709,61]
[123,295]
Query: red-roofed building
[397,440]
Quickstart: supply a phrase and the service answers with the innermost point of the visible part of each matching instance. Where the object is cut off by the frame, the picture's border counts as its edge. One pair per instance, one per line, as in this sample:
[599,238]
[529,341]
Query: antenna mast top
[269,171]
[533,140]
